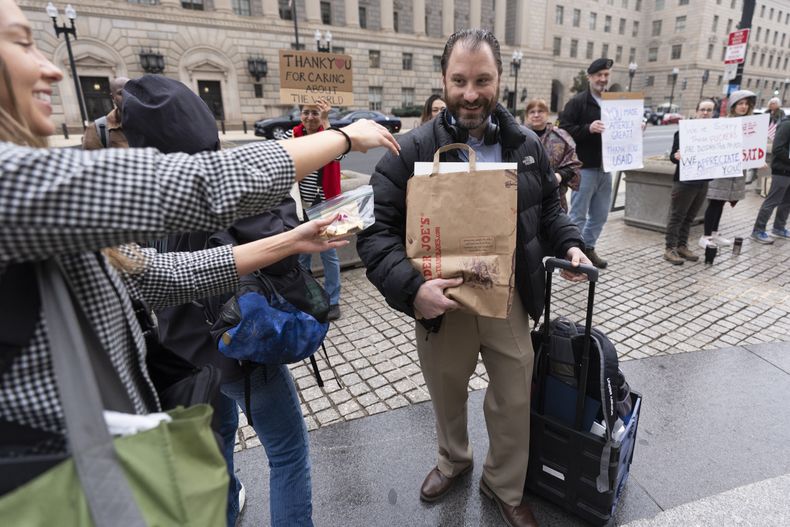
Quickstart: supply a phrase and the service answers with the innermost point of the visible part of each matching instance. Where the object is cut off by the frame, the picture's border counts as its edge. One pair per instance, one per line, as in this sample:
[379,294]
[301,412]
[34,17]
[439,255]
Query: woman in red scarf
[321,185]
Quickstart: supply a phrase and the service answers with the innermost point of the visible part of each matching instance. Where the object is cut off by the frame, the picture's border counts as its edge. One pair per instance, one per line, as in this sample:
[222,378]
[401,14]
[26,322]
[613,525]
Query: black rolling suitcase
[582,471]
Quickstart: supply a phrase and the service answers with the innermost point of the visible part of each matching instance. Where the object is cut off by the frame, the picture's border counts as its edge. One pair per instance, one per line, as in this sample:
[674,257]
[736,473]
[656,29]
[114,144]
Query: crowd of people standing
[130,220]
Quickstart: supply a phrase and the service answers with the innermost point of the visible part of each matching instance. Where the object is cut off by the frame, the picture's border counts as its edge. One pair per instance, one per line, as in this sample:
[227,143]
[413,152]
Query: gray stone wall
[405,10]
[510,21]
[487,15]
[374,13]
[338,13]
[461,18]
[433,11]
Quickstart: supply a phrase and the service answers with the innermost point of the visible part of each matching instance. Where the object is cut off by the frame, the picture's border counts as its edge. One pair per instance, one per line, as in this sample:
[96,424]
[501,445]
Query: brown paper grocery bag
[464,224]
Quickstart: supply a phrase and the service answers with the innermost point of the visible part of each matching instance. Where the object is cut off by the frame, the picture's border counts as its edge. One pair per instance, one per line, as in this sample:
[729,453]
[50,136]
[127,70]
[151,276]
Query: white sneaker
[242,497]
[704,241]
[721,241]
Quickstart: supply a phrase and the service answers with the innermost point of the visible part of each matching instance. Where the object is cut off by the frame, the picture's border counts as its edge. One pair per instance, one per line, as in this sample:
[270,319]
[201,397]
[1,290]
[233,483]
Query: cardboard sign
[622,113]
[306,76]
[710,148]
[755,140]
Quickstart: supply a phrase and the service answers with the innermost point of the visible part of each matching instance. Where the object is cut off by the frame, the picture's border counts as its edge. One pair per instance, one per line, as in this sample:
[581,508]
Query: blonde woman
[72,205]
[732,189]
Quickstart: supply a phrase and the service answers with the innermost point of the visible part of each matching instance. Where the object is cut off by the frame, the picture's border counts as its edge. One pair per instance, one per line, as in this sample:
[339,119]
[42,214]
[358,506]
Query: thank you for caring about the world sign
[306,76]
[710,148]
[621,140]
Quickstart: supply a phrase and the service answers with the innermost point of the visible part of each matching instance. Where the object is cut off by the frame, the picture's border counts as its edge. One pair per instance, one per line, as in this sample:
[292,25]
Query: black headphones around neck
[461,135]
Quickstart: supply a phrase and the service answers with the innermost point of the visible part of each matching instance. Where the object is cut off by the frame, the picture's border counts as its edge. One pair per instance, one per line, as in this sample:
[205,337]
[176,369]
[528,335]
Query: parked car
[657,117]
[276,127]
[390,122]
[671,118]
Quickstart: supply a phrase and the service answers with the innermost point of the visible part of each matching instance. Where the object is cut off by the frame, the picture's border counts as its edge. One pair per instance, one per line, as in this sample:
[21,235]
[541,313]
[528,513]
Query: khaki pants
[448,359]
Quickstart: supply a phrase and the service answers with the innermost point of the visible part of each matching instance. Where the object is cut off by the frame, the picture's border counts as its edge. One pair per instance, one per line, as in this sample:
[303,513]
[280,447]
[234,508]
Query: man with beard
[582,119]
[449,341]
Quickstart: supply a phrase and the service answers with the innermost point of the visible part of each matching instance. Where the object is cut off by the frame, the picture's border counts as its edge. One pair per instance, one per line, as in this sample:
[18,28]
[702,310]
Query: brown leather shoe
[437,484]
[514,516]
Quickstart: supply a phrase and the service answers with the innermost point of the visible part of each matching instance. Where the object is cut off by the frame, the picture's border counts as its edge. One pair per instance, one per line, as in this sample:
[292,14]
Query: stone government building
[396,47]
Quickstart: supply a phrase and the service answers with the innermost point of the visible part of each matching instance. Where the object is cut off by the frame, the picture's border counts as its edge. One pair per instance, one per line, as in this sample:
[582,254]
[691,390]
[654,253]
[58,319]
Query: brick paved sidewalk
[647,307]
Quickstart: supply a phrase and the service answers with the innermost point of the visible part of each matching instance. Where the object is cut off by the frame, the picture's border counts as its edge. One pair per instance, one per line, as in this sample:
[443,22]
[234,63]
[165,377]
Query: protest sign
[306,76]
[622,113]
[755,140]
[710,148]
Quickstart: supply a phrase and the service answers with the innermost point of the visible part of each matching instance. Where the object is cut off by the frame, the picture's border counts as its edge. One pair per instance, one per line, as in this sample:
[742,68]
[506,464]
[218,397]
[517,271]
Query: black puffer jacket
[541,220]
[575,118]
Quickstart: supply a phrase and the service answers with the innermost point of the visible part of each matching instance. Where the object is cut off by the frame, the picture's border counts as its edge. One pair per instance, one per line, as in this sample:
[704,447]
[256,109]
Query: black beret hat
[164,114]
[600,64]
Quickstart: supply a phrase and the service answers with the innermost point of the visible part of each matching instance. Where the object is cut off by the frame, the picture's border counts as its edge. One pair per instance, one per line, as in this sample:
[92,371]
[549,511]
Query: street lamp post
[318,41]
[784,91]
[705,77]
[675,73]
[67,31]
[515,63]
[631,72]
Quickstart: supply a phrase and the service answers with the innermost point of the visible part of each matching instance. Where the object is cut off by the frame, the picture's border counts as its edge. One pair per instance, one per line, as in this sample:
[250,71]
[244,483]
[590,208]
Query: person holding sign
[450,341]
[779,196]
[582,119]
[732,189]
[687,198]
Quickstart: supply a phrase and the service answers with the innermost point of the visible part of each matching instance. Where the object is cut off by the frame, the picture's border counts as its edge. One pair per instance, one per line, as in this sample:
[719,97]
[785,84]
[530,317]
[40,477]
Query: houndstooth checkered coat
[71,203]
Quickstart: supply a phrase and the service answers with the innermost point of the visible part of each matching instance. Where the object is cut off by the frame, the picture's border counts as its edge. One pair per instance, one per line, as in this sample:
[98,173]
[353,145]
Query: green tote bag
[171,475]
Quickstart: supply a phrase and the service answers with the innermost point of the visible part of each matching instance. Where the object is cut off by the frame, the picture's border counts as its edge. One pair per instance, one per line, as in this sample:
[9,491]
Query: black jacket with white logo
[541,220]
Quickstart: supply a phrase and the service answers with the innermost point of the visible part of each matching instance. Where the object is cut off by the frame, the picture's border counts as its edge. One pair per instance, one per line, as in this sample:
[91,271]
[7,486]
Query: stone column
[312,11]
[223,6]
[448,17]
[419,17]
[475,9]
[387,18]
[352,13]
[271,9]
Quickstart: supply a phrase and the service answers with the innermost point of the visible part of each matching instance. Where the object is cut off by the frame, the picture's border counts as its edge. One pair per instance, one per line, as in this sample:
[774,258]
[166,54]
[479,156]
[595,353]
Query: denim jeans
[228,416]
[590,204]
[277,419]
[331,272]
[778,198]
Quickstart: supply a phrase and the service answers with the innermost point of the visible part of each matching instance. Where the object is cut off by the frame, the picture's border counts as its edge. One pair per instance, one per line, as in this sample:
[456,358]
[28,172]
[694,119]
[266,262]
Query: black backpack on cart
[577,382]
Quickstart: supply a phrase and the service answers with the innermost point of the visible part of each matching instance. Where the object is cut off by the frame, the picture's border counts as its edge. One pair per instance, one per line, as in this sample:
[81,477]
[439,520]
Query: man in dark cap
[582,119]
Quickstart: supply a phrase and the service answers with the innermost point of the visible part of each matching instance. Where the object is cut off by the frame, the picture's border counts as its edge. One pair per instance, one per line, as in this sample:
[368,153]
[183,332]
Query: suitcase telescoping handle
[592,276]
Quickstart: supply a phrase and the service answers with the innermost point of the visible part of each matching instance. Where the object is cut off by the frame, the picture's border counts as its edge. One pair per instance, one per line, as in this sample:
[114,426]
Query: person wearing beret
[581,118]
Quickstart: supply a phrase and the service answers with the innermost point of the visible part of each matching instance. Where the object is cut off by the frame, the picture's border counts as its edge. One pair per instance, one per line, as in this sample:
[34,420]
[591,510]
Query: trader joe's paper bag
[464,224]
